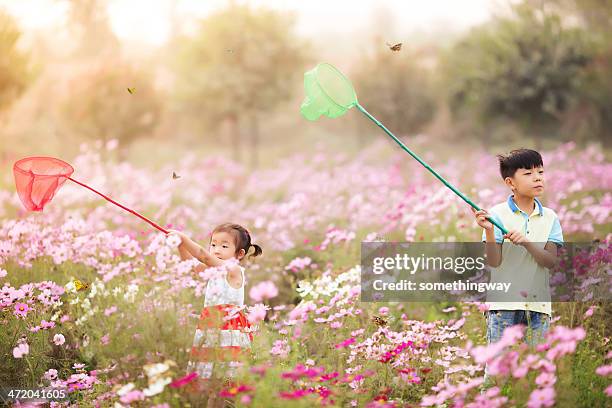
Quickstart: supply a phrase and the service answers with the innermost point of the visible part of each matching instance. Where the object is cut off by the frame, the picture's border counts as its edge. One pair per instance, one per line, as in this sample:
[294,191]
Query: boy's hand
[516,237]
[481,219]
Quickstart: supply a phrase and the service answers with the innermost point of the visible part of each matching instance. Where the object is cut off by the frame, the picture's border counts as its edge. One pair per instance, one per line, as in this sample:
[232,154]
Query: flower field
[95,301]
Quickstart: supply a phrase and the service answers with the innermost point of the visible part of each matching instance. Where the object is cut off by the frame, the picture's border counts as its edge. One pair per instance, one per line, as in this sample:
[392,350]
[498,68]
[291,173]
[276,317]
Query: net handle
[119,205]
[417,158]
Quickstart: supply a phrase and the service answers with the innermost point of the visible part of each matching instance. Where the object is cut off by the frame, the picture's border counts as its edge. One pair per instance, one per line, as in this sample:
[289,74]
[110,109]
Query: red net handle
[119,205]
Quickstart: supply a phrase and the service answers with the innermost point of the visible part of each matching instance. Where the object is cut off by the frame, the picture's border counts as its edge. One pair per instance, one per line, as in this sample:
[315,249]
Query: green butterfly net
[330,93]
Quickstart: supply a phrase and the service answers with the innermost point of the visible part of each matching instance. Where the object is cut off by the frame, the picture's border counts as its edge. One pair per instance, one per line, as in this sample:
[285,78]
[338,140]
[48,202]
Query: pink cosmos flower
[280,348]
[135,395]
[546,380]
[257,313]
[109,311]
[59,339]
[21,350]
[544,397]
[263,290]
[483,354]
[21,310]
[604,370]
[51,374]
[383,311]
[590,311]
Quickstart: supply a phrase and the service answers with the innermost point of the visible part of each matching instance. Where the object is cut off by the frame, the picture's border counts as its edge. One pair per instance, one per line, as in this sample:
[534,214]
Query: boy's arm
[491,236]
[547,256]
[493,250]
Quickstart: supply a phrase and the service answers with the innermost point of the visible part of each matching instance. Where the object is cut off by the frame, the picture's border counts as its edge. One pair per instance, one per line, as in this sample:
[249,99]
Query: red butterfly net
[38,178]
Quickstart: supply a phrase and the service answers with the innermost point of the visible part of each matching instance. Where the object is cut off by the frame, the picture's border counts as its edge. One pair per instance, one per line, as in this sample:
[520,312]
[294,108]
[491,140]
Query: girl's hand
[176,233]
[481,218]
[516,237]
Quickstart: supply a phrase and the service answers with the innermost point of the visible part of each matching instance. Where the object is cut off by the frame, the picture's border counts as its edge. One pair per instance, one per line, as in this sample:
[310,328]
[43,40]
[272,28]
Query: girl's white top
[219,291]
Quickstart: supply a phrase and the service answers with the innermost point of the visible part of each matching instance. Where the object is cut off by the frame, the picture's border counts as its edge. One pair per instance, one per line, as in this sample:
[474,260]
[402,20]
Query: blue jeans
[537,324]
[497,320]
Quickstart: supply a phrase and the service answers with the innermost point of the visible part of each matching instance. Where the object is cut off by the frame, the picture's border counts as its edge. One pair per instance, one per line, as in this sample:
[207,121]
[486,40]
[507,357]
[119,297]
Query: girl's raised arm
[190,248]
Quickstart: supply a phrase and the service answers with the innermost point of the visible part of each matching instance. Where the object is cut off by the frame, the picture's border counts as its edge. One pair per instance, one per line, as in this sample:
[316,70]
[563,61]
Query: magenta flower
[389,355]
[233,391]
[184,380]
[297,394]
[302,371]
[345,343]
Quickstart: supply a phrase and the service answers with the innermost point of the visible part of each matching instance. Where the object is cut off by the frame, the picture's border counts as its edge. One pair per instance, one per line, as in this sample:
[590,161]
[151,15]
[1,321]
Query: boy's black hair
[518,159]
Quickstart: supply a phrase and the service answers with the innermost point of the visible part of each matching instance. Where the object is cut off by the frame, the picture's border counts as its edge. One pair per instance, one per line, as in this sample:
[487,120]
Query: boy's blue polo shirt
[518,265]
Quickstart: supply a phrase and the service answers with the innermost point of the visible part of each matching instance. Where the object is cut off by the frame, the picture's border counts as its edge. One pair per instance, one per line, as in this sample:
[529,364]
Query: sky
[148,22]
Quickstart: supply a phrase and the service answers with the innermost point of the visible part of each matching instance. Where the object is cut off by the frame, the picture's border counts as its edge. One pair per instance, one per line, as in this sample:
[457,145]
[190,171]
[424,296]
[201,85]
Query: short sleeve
[499,237]
[556,235]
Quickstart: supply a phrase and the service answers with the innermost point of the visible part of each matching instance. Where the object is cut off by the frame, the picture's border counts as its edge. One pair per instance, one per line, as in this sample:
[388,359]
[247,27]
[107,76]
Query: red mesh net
[38,178]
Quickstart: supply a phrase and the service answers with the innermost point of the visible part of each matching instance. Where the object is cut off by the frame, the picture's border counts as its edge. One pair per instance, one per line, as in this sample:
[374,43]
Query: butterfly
[395,47]
[379,321]
[175,176]
[131,90]
[81,285]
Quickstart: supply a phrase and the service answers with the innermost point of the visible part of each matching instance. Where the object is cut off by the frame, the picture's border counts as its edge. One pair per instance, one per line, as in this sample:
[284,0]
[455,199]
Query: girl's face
[223,246]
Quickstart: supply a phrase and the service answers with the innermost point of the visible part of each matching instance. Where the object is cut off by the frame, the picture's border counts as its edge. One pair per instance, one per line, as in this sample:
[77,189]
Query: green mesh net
[328,93]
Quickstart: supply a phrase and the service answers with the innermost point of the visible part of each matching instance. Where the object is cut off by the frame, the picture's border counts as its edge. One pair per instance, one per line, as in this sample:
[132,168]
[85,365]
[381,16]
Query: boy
[534,232]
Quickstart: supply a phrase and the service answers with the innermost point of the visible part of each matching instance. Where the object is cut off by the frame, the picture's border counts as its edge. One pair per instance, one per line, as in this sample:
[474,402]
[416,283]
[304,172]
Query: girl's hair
[242,238]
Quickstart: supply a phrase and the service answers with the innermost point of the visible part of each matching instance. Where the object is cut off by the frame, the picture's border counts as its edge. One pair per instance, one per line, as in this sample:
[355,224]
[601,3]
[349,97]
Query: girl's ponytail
[258,250]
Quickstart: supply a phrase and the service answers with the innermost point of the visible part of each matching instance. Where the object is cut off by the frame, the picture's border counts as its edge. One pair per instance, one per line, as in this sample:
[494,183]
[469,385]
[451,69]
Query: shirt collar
[514,208]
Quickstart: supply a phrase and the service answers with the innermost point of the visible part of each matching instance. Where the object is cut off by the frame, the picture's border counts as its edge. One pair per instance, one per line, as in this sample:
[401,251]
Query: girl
[222,336]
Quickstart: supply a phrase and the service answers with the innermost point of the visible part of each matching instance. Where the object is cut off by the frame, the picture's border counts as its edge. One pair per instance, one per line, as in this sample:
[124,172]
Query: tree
[100,106]
[89,23]
[15,71]
[241,64]
[592,115]
[395,89]
[526,67]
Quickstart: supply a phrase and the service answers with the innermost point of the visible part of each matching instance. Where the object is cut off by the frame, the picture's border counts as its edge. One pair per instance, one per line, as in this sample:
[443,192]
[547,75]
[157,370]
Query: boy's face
[223,246]
[527,182]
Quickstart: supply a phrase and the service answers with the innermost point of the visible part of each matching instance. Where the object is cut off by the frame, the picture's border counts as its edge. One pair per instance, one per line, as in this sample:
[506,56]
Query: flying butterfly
[80,285]
[394,47]
[175,176]
[379,321]
[131,90]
